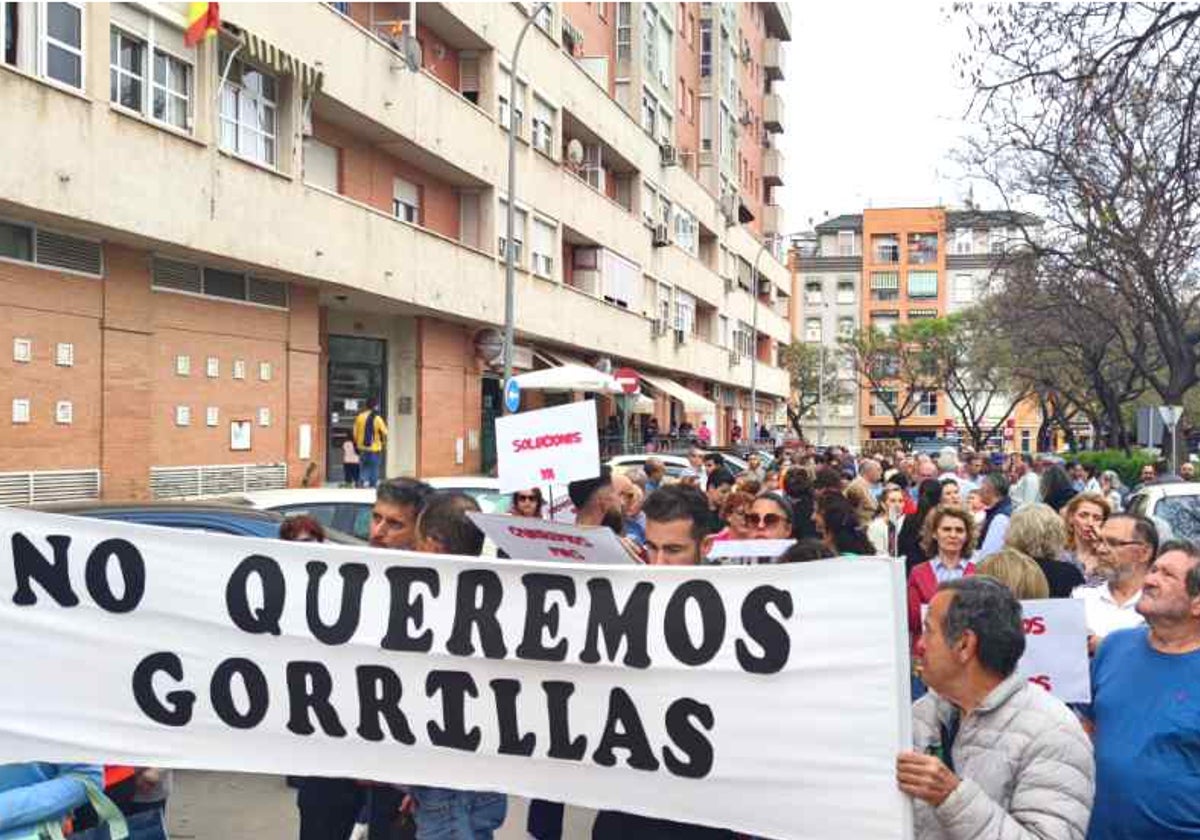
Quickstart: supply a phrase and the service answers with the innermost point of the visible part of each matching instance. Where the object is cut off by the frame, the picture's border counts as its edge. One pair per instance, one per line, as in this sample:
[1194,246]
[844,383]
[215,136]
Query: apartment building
[212,256]
[888,266]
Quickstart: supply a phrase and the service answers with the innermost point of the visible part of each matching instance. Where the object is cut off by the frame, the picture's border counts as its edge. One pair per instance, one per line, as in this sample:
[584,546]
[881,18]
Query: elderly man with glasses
[1125,550]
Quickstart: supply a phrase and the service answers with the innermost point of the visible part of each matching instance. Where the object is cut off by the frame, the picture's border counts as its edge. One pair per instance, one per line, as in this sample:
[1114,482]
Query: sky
[873,107]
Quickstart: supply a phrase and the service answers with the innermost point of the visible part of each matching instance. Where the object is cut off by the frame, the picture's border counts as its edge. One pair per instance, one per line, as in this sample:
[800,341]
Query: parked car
[1175,503]
[214,517]
[348,509]
[674,464]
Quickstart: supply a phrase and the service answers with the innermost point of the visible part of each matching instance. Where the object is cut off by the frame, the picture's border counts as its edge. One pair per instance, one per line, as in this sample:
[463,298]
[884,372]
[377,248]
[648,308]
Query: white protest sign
[537,539]
[748,551]
[770,700]
[557,444]
[1056,655]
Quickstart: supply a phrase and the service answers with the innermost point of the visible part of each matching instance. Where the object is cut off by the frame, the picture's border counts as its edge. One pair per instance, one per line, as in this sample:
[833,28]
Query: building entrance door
[357,372]
[492,402]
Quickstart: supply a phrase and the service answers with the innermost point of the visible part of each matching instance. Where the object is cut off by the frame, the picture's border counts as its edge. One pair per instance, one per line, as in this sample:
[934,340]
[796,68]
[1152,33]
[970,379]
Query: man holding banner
[997,758]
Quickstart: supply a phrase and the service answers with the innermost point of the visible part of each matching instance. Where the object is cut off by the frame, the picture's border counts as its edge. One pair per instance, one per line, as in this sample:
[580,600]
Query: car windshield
[1182,513]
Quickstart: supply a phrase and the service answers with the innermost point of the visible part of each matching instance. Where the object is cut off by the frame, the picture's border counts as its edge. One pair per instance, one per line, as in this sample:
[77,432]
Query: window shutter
[182,277]
[61,251]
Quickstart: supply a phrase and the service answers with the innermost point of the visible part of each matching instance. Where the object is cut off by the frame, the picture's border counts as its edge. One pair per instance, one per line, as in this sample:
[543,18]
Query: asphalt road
[247,806]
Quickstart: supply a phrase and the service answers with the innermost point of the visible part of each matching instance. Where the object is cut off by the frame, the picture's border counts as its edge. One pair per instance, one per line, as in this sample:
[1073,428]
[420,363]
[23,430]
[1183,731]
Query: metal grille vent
[176,275]
[215,480]
[28,488]
[61,251]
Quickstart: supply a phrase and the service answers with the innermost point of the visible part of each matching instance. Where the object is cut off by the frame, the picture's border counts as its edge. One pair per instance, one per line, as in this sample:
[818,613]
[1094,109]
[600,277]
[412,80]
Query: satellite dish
[575,152]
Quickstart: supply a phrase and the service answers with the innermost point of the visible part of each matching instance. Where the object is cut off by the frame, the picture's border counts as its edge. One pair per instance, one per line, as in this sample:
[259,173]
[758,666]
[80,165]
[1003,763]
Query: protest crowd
[994,755]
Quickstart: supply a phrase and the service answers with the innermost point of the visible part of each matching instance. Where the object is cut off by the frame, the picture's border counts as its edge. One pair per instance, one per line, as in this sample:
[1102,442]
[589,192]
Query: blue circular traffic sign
[512,396]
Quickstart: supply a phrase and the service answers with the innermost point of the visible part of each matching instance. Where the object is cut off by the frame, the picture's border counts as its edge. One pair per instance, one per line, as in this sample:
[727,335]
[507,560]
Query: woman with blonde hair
[859,495]
[1084,515]
[1018,572]
[1039,533]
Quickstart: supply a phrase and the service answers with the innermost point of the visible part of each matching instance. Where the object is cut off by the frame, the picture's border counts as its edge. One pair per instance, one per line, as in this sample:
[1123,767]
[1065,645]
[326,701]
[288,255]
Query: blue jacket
[35,792]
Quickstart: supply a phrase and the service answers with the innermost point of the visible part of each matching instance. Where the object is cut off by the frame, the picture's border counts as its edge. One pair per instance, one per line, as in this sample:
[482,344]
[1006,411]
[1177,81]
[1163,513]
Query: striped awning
[922,313]
[885,280]
[279,61]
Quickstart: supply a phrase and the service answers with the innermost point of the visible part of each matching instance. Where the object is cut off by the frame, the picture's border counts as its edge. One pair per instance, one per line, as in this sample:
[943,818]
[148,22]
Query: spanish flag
[203,21]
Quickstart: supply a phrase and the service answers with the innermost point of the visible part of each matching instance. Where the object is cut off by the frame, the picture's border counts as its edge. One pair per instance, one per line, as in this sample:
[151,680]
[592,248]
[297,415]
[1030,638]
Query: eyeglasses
[1115,544]
[526,497]
[763,520]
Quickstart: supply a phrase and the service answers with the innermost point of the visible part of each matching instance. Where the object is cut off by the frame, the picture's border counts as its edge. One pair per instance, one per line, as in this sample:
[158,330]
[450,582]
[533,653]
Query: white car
[348,509]
[1176,503]
[674,464]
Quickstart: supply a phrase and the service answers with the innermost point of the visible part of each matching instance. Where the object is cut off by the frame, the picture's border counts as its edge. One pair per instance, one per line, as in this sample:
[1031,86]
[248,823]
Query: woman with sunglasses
[770,518]
[527,503]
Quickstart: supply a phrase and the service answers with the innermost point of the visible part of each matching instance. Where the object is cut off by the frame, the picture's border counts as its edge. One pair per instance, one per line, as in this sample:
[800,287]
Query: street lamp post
[510,266]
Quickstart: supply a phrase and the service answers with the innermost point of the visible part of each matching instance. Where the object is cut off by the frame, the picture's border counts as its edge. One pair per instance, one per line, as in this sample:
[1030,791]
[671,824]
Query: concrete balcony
[772,167]
[778,20]
[772,219]
[773,59]
[773,112]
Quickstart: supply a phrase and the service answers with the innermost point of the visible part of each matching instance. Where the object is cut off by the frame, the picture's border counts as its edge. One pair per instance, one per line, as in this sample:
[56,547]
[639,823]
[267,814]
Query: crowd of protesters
[994,756]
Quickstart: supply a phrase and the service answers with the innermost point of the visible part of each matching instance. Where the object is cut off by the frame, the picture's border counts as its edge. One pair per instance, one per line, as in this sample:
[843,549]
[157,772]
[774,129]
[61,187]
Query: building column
[450,401]
[126,333]
[305,395]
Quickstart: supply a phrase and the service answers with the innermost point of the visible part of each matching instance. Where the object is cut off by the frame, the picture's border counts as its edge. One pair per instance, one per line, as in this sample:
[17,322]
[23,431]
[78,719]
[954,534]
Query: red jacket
[922,586]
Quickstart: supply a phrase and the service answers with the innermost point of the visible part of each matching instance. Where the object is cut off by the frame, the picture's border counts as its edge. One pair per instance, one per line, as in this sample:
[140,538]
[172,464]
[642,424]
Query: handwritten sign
[556,445]
[536,539]
[1056,648]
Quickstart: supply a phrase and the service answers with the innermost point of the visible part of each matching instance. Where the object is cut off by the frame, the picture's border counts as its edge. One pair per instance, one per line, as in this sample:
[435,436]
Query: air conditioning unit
[764,286]
[662,236]
[658,327]
[728,285]
[668,155]
[734,358]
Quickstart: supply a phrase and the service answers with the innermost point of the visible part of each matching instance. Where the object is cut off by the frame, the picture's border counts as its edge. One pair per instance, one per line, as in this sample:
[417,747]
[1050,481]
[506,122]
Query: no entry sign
[628,379]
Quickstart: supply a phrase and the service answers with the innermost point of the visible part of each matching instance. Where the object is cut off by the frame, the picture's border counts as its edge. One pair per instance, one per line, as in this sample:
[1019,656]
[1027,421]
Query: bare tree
[814,377]
[898,369]
[1088,112]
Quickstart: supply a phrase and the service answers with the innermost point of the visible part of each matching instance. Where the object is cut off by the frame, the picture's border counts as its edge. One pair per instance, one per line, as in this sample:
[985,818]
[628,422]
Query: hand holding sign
[558,444]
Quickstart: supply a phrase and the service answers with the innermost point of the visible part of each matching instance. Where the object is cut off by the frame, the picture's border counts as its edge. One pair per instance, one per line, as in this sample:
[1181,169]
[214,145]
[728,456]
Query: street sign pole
[1171,415]
[630,382]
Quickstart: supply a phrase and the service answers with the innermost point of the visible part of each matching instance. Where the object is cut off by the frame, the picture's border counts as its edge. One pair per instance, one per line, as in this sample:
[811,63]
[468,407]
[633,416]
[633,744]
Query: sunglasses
[526,497]
[764,520]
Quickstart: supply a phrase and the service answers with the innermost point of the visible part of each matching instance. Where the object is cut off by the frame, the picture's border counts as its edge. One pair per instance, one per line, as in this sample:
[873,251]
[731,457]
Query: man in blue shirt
[1146,710]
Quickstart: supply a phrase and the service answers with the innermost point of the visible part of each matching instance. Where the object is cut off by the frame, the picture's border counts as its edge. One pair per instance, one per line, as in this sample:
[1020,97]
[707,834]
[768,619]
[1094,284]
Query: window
[812,329]
[964,288]
[812,291]
[248,113]
[239,368]
[127,71]
[997,241]
[687,231]
[22,350]
[1026,440]
[922,248]
[63,43]
[20,411]
[171,90]
[885,285]
[264,371]
[545,18]
[962,241]
[406,201]
[885,323]
[264,417]
[624,31]
[845,291]
[321,164]
[664,303]
[928,406]
[169,275]
[543,126]
[649,203]
[922,284]
[685,315]
[468,76]
[880,400]
[620,279]
[183,415]
[845,326]
[520,219]
[212,415]
[706,49]
[845,243]
[665,122]
[544,236]
[649,38]
[649,113]
[592,170]
[885,248]
[706,126]
[723,331]
[64,412]
[503,89]
[39,246]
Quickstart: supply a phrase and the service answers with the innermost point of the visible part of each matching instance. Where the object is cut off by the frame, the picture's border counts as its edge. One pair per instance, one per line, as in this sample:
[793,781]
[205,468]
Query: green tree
[814,378]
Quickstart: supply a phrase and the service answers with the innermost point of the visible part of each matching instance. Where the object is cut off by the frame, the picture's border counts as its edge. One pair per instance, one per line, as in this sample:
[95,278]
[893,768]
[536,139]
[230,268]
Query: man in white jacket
[997,757]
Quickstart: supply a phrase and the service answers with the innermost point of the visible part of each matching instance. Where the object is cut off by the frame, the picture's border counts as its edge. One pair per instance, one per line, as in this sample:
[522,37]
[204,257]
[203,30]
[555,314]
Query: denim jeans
[368,470]
[444,814]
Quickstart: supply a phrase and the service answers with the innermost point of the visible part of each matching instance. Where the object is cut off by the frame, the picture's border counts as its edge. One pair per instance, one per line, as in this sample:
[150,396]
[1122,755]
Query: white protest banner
[1056,656]
[748,551]
[557,444]
[537,539]
[771,700]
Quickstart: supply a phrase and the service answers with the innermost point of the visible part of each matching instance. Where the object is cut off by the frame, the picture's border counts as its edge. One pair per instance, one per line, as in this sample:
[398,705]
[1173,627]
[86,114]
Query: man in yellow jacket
[370,438]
